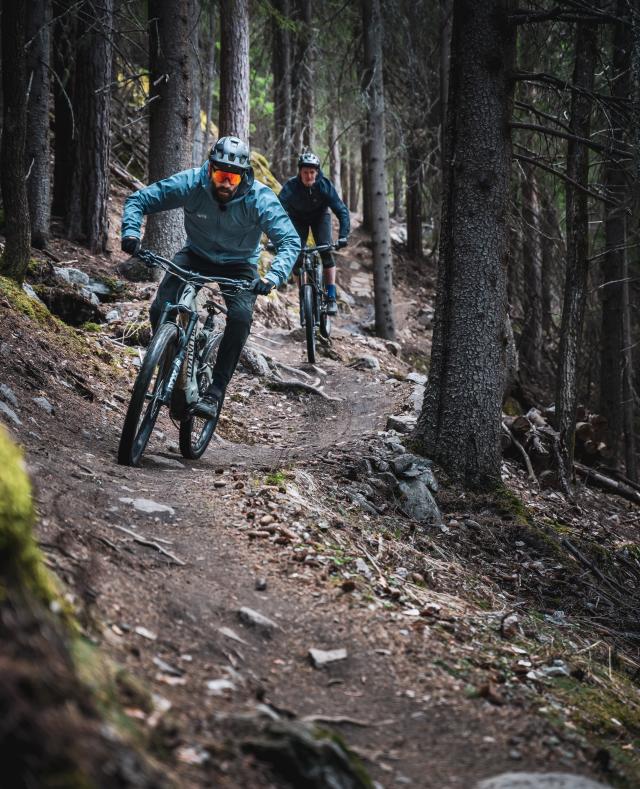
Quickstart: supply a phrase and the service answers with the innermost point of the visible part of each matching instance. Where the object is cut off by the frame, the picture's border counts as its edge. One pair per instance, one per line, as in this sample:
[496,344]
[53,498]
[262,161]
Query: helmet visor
[220,176]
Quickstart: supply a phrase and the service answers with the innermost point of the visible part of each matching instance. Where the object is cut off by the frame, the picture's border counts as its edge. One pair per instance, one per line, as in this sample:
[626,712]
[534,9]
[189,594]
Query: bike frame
[311,273]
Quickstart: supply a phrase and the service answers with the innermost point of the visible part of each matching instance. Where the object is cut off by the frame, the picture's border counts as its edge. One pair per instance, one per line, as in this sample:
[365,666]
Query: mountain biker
[306,198]
[225,213]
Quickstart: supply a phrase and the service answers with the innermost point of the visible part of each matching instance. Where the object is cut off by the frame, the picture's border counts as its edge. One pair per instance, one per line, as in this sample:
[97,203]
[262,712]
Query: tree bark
[38,148]
[210,78]
[15,259]
[197,86]
[281,66]
[335,163]
[549,228]
[88,215]
[345,173]
[65,132]
[354,181]
[364,175]
[381,244]
[414,202]
[531,337]
[460,422]
[234,68]
[577,223]
[304,68]
[169,113]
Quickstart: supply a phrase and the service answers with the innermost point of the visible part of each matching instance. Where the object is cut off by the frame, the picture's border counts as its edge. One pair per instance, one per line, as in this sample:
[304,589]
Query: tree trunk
[38,149]
[446,20]
[398,192]
[169,113]
[345,173]
[88,215]
[65,132]
[15,260]
[334,156]
[305,67]
[366,187]
[234,68]
[381,243]
[577,223]
[281,66]
[531,337]
[210,77]
[197,86]
[460,423]
[549,229]
[414,202]
[354,182]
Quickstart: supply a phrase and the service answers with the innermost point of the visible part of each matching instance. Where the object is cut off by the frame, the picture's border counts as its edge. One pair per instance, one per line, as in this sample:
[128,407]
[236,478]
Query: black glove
[262,287]
[341,242]
[130,245]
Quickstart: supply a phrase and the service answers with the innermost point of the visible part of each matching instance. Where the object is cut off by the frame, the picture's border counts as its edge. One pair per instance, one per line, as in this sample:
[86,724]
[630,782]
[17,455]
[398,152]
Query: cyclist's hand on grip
[262,287]
[341,243]
[130,245]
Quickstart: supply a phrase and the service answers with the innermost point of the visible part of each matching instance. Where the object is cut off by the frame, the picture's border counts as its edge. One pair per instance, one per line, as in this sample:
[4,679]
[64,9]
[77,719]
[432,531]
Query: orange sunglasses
[220,176]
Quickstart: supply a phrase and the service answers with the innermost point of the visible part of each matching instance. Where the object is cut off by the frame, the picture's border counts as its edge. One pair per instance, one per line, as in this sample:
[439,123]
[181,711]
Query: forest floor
[468,650]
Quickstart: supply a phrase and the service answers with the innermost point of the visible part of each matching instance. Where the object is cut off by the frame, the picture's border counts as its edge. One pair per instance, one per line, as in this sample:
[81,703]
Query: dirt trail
[397,698]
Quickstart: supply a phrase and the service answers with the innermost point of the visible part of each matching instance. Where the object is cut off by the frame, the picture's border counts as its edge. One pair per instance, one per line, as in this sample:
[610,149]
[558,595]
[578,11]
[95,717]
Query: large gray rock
[417,502]
[255,619]
[401,423]
[72,275]
[9,413]
[148,506]
[408,466]
[44,404]
[539,781]
[8,395]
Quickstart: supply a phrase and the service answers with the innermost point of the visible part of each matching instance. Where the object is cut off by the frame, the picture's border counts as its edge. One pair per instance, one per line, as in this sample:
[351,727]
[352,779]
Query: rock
[393,347]
[385,478]
[219,687]
[148,506]
[148,634]
[43,403]
[365,363]
[112,316]
[410,466]
[260,585]
[229,633]
[417,502]
[72,275]
[417,378]
[321,657]
[8,395]
[539,781]
[363,568]
[255,362]
[135,270]
[255,619]
[9,413]
[401,423]
[31,292]
[160,460]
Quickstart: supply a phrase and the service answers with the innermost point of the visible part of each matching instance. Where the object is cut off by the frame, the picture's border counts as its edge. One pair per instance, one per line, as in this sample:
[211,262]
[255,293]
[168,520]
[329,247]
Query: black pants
[320,226]
[239,308]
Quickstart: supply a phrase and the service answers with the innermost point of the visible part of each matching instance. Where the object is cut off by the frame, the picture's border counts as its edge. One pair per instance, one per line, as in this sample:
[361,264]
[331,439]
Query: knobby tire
[140,420]
[309,323]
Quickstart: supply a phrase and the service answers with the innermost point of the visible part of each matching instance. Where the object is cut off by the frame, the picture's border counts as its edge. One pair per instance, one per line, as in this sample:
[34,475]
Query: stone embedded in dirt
[261,585]
[44,404]
[321,657]
[255,362]
[8,395]
[148,634]
[539,781]
[31,292]
[365,363]
[227,632]
[160,460]
[417,378]
[112,316]
[167,668]
[148,506]
[9,413]
[255,619]
[393,347]
[363,568]
[401,423]
[220,687]
[417,502]
[72,275]
[265,520]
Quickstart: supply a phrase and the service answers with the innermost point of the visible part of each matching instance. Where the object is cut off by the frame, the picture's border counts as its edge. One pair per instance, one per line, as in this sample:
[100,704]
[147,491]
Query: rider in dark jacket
[306,198]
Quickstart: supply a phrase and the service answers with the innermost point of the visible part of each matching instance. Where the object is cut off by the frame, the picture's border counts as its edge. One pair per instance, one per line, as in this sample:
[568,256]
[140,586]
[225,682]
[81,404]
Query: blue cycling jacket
[220,232]
[307,203]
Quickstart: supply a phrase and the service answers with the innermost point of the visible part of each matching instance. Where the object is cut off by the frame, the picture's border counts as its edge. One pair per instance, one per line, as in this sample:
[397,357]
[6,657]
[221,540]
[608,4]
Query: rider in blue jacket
[225,213]
[306,198]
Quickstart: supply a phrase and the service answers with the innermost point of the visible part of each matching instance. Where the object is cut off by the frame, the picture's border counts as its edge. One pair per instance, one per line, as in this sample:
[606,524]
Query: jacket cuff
[272,278]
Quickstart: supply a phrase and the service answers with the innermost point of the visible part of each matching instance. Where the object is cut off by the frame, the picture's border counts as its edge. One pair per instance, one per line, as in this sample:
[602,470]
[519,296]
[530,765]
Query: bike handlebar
[153,259]
[321,248]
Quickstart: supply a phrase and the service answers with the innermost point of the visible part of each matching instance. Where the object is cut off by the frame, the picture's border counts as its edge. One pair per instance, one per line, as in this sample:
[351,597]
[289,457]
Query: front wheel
[309,322]
[146,398]
[325,324]
[196,432]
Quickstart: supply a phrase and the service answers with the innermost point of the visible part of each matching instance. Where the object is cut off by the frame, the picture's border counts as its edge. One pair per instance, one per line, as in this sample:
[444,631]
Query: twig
[143,541]
[280,383]
[598,573]
[522,451]
[334,719]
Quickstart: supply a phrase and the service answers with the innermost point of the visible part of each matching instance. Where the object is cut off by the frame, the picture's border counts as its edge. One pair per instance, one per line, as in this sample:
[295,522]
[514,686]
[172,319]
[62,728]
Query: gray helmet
[308,160]
[230,153]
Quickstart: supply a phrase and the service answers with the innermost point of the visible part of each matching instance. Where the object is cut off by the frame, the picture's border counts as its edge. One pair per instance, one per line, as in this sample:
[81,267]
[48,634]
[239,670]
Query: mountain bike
[177,367]
[313,297]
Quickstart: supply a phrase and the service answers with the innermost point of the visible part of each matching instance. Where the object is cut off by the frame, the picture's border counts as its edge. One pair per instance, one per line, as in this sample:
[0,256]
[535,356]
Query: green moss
[512,407]
[21,563]
[19,300]
[275,478]
[91,327]
[512,506]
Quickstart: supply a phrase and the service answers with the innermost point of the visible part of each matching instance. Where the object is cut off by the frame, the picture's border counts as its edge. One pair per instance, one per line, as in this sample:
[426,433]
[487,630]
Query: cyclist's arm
[340,210]
[172,192]
[285,196]
[278,228]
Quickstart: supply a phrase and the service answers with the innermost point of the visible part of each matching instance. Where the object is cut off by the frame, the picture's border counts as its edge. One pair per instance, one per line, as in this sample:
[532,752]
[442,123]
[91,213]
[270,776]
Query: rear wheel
[196,432]
[309,323]
[145,402]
